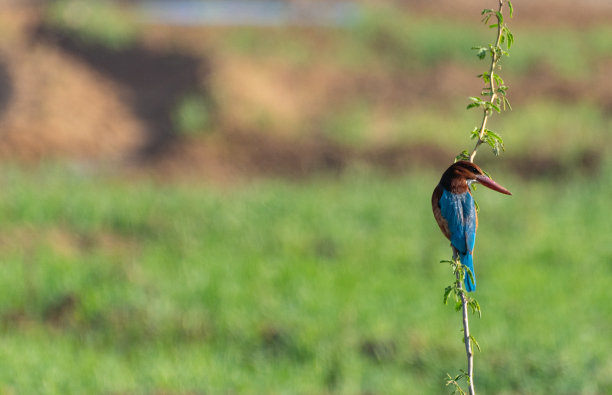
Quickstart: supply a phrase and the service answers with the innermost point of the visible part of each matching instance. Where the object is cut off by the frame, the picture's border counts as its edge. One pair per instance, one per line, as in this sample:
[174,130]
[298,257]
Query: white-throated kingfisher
[455,212]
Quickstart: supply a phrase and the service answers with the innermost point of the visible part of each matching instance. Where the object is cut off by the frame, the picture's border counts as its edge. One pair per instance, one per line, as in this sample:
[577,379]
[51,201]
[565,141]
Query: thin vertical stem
[494,59]
[466,328]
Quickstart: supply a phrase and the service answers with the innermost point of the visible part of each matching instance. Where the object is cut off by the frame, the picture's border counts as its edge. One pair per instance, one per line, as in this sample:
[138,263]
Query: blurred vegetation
[99,22]
[328,285]
[388,38]
[404,40]
[192,115]
[388,47]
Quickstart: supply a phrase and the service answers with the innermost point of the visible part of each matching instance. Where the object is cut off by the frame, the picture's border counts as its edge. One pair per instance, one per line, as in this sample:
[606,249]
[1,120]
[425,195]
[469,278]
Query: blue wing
[460,213]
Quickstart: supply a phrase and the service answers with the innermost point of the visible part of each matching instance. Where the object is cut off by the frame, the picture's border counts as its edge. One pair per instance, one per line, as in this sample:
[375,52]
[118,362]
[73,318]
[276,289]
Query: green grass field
[329,286]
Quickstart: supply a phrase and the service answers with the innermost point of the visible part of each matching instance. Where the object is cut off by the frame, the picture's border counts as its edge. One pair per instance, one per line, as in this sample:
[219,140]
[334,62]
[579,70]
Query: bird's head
[461,174]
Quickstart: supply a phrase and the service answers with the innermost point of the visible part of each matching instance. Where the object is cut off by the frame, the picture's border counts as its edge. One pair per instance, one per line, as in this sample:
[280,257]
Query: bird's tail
[470,281]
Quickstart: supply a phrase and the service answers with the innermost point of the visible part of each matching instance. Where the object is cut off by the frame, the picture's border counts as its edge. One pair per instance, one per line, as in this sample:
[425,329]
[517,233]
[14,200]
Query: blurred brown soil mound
[239,156]
[64,110]
[59,107]
[59,100]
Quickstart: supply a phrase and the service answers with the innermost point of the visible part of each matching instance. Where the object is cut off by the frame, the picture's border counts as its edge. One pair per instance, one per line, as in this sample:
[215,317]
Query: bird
[455,211]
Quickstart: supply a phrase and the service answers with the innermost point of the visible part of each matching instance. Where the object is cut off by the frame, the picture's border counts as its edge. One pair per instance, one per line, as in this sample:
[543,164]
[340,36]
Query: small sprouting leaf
[493,145]
[476,102]
[476,204]
[458,306]
[475,134]
[447,292]
[454,382]
[494,141]
[499,16]
[507,103]
[498,80]
[482,52]
[475,306]
[494,135]
[511,8]
[464,155]
[475,342]
[495,107]
[494,25]
[469,272]
[487,11]
[510,38]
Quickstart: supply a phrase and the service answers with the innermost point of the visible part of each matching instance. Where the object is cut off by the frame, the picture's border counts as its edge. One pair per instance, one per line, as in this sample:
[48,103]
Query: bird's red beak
[489,183]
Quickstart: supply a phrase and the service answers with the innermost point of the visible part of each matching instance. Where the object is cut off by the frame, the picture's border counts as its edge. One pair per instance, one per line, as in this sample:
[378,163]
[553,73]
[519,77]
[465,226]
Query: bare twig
[487,110]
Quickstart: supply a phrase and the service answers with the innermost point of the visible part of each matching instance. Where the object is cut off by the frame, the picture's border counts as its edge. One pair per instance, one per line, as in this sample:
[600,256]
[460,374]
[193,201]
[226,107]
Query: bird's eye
[474,170]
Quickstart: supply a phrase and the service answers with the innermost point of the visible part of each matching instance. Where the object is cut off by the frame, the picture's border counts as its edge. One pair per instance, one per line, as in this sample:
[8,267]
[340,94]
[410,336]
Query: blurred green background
[234,198]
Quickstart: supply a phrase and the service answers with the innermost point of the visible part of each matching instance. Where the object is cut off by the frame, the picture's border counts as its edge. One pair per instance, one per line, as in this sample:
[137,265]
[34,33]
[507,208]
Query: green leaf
[499,16]
[475,133]
[475,342]
[511,8]
[482,52]
[487,11]
[494,25]
[507,103]
[494,141]
[464,155]
[476,102]
[454,382]
[495,135]
[458,305]
[498,79]
[510,38]
[469,272]
[495,107]
[447,292]
[475,306]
